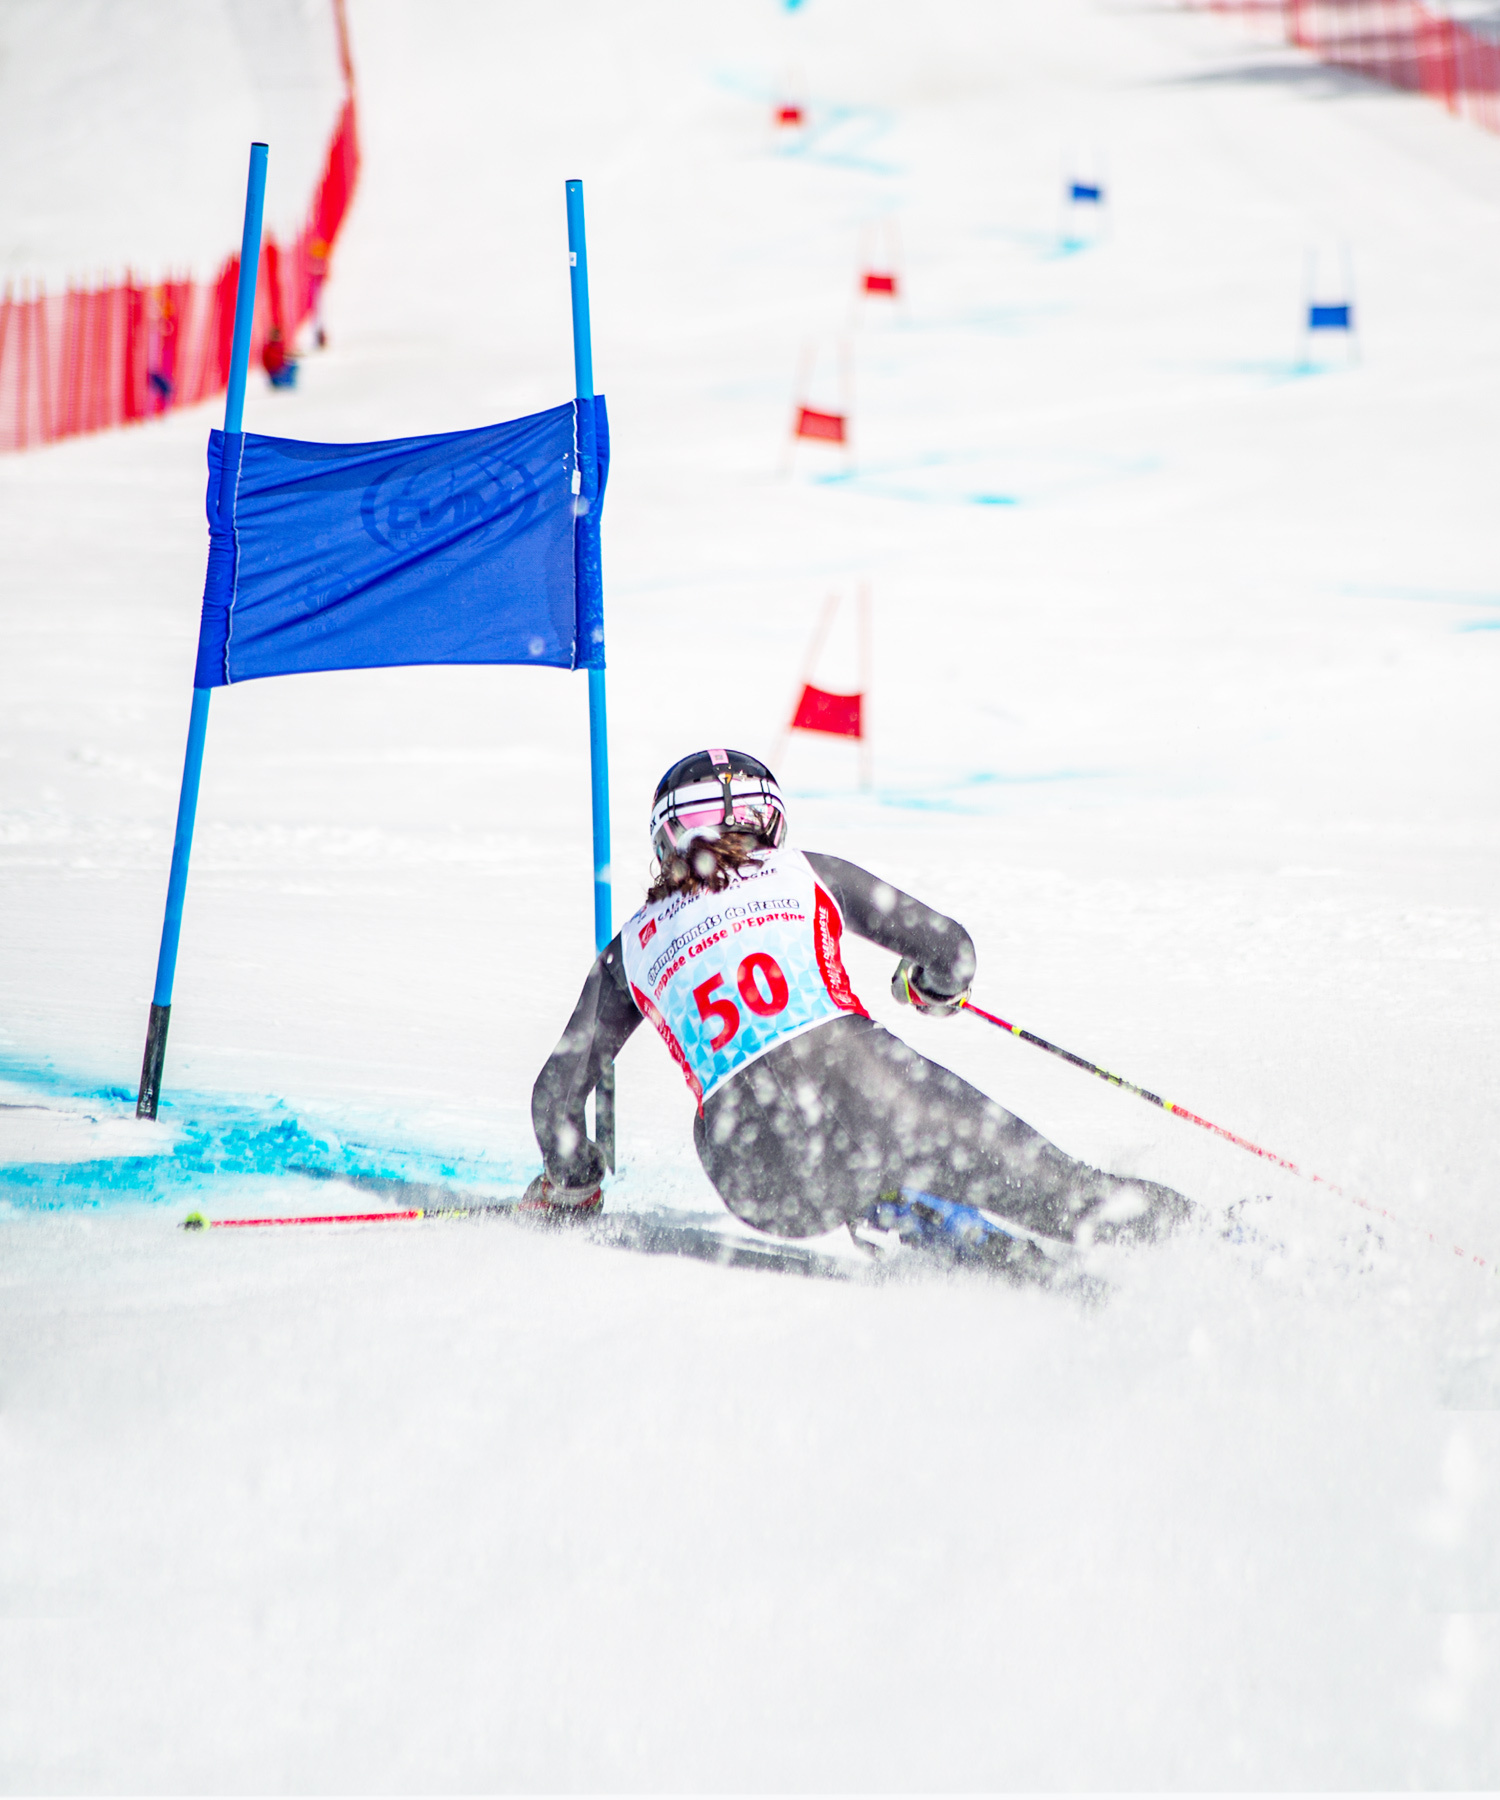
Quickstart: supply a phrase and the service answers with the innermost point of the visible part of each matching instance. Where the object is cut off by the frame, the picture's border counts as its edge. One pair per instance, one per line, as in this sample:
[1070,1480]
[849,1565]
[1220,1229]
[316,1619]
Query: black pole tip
[153,1061]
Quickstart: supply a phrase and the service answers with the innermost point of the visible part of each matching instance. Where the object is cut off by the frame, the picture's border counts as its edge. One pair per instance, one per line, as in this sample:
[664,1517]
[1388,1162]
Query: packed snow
[1187,631]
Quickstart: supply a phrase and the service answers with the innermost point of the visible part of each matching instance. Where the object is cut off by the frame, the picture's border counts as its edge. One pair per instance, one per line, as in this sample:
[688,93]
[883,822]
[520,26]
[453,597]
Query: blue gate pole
[192,762]
[604,930]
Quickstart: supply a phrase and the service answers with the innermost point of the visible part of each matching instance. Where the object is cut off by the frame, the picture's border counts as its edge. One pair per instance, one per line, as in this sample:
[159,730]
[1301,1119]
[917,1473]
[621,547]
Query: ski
[698,1237]
[1017,1255]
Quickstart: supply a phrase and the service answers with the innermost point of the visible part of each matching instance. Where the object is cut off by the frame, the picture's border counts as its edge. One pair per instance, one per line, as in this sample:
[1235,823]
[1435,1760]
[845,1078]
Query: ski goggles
[707,809]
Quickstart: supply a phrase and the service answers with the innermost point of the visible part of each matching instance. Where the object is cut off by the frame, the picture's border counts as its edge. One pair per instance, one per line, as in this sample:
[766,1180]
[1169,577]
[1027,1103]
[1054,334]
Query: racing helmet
[711,792]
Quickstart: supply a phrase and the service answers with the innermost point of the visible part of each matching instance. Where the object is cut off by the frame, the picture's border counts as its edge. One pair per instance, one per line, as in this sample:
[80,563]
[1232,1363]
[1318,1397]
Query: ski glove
[907,990]
[544,1196]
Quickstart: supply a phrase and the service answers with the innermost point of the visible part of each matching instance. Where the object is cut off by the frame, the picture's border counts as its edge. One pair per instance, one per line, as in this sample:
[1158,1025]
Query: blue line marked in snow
[1034,477]
[895,482]
[1008,321]
[1050,246]
[1372,590]
[210,1139]
[1276,371]
[1379,590]
[1271,370]
[967,796]
[840,136]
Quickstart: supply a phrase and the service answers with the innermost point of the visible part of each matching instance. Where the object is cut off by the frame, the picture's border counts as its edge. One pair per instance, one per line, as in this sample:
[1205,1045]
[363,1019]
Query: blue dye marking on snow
[1430,597]
[923,479]
[967,796]
[1009,321]
[1050,246]
[214,1140]
[1272,369]
[883,487]
[840,137]
[1372,590]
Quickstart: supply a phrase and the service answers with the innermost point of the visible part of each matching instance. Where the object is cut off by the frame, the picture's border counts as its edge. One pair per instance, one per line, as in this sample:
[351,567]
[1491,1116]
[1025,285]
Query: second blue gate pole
[604,930]
[192,762]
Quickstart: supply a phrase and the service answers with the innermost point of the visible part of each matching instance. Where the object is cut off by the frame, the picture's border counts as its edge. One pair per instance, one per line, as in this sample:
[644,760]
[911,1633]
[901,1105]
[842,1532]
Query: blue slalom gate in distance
[1321,317]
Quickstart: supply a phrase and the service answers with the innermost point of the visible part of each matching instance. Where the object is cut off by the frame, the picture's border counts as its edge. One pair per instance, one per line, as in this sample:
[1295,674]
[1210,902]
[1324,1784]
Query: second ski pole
[1181,1112]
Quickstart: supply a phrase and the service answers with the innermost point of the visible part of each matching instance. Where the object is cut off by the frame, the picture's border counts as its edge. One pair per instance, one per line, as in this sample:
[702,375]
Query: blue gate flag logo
[469,547]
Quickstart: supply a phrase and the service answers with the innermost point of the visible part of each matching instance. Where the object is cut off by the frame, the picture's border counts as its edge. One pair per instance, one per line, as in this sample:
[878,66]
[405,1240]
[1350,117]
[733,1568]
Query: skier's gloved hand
[907,990]
[545,1196]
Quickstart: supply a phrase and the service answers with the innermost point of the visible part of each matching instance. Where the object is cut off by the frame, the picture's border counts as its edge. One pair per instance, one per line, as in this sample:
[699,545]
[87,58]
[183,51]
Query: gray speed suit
[812,1133]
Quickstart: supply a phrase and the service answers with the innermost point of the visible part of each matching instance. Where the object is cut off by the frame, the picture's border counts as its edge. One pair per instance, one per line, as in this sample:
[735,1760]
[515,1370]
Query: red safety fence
[1409,44]
[92,358]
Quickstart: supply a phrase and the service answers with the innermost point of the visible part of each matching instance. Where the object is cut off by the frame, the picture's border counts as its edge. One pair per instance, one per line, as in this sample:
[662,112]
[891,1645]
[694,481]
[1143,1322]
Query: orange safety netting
[90,358]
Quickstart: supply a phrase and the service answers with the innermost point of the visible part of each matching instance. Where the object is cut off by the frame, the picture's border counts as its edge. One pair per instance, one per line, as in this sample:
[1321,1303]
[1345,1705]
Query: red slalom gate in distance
[824,427]
[880,263]
[821,710]
[1407,44]
[89,359]
[840,715]
[828,422]
[1079,1062]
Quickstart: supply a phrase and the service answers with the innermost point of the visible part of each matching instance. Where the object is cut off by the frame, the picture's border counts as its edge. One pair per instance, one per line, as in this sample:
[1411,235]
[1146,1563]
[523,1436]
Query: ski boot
[949,1232]
[548,1203]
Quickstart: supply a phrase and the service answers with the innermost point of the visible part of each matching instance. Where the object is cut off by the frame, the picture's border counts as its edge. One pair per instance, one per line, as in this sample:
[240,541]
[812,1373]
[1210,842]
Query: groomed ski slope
[1184,703]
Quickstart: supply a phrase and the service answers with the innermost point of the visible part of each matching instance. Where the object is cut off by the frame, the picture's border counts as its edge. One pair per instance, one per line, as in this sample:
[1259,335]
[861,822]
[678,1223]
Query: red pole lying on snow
[1192,1118]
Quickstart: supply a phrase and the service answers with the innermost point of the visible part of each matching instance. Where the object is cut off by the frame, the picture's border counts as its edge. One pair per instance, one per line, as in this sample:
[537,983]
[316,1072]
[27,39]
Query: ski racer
[809,1114]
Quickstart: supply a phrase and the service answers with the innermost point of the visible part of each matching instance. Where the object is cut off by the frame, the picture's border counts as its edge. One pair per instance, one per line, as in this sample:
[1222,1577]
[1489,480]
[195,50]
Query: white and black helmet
[711,792]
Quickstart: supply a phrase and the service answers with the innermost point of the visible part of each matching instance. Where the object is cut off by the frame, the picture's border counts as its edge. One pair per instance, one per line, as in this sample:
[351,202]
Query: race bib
[725,977]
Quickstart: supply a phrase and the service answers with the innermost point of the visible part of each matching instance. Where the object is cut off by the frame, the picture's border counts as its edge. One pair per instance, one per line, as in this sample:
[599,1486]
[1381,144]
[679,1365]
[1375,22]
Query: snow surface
[123,130]
[1186,656]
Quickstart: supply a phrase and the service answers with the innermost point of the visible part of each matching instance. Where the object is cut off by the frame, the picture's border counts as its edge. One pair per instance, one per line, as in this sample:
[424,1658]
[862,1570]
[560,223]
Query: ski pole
[1192,1118]
[195,1221]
